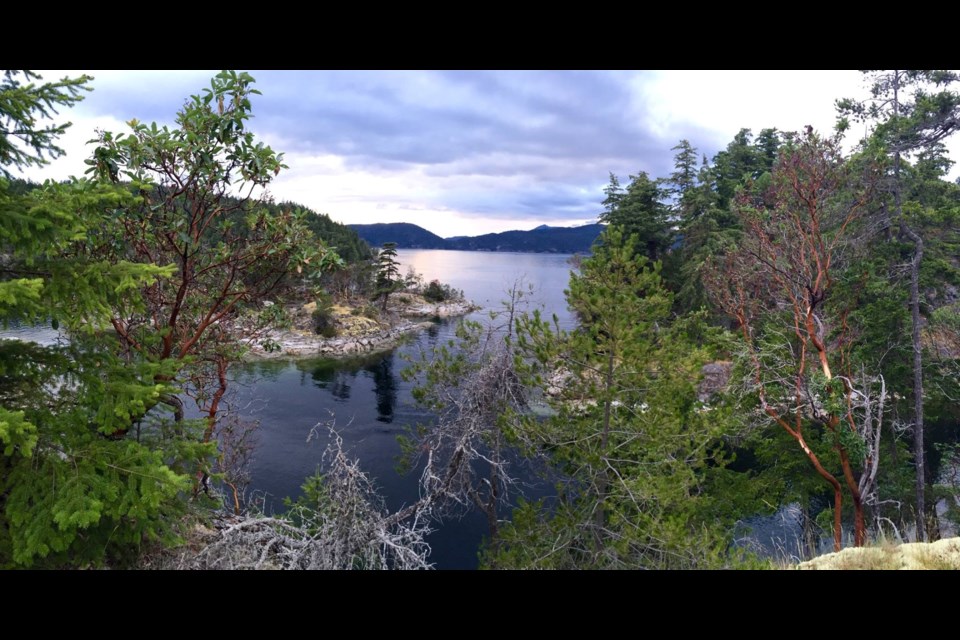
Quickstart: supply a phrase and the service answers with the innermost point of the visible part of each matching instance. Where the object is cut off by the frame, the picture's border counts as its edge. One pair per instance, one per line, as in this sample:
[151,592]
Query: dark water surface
[369,402]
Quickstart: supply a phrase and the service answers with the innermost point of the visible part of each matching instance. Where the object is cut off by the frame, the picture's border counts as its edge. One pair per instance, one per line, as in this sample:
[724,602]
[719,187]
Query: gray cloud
[545,127]
[537,145]
[149,96]
[439,117]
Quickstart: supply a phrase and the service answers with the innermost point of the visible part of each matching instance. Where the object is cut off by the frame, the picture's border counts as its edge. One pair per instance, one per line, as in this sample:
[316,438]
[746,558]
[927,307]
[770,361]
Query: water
[365,398]
[485,277]
[371,405]
[43,335]
[368,401]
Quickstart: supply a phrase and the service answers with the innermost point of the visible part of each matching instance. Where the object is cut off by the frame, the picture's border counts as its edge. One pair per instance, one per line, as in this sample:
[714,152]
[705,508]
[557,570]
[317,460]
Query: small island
[354,327]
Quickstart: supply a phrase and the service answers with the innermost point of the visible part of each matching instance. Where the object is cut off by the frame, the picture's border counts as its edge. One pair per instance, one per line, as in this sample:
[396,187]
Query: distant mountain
[406,235]
[543,239]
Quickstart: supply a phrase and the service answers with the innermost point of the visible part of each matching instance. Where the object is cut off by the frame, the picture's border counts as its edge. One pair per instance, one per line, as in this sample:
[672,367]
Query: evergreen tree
[388,273]
[685,172]
[914,110]
[630,444]
[640,210]
[23,102]
[71,492]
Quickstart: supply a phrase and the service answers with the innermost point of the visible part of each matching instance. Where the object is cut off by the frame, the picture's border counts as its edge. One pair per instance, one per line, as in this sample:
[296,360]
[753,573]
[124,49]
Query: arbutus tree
[777,285]
[199,190]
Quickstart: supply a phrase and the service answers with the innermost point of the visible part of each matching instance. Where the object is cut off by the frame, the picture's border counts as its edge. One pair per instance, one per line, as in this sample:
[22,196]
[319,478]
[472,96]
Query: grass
[934,556]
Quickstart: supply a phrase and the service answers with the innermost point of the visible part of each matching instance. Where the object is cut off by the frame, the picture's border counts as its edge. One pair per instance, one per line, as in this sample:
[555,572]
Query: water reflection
[369,402]
[327,375]
[385,386]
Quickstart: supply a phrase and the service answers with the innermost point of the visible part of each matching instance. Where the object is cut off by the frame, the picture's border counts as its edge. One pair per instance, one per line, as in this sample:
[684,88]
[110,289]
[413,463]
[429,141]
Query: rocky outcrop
[411,305]
[716,376]
[302,344]
[356,333]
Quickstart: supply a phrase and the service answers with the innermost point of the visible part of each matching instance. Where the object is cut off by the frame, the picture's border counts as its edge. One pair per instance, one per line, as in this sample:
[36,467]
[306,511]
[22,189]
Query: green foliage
[16,434]
[388,273]
[229,252]
[702,210]
[640,211]
[92,466]
[72,492]
[634,447]
[437,292]
[322,316]
[110,497]
[339,237]
[23,103]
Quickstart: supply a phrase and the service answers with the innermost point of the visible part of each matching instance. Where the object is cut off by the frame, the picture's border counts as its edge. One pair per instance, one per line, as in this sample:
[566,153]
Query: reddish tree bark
[784,263]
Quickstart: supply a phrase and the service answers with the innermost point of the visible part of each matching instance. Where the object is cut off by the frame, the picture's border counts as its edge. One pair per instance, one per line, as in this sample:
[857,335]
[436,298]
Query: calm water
[371,405]
[41,335]
[365,398]
[368,401]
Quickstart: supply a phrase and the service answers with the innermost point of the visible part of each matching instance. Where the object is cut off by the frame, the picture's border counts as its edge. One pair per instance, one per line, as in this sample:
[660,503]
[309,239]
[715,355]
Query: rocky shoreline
[356,335]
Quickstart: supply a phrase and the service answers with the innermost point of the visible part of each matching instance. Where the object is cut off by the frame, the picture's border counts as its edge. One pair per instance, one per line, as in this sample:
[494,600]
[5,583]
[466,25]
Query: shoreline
[360,338]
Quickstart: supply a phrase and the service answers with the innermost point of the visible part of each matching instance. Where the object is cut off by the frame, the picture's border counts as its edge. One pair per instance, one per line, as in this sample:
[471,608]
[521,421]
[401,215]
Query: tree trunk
[918,445]
[600,518]
[859,526]
[837,518]
[810,540]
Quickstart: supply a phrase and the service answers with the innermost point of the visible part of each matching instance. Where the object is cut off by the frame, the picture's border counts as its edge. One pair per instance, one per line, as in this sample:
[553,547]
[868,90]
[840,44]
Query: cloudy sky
[471,152]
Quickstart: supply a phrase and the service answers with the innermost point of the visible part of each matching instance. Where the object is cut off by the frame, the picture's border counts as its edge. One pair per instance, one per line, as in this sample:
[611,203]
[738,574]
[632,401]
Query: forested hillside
[406,235]
[540,240]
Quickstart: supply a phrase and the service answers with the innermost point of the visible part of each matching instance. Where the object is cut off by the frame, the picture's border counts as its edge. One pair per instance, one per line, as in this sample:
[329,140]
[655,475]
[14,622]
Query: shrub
[323,321]
[367,311]
[436,292]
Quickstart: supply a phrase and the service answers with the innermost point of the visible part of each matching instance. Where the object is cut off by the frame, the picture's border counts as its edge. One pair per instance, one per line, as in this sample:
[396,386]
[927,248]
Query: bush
[436,292]
[367,311]
[323,321]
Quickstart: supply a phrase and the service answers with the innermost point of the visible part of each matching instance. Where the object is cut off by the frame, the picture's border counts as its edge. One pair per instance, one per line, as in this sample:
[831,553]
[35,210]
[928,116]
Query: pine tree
[631,447]
[640,210]
[914,110]
[388,273]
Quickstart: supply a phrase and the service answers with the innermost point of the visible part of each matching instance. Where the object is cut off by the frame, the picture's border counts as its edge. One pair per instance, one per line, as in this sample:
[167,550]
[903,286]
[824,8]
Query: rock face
[716,376]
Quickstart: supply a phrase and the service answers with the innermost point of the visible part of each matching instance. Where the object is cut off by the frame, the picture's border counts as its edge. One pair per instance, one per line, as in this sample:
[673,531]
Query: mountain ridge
[542,239]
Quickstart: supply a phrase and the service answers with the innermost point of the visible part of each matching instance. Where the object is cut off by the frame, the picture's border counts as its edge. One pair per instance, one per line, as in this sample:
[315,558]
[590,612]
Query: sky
[470,152]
